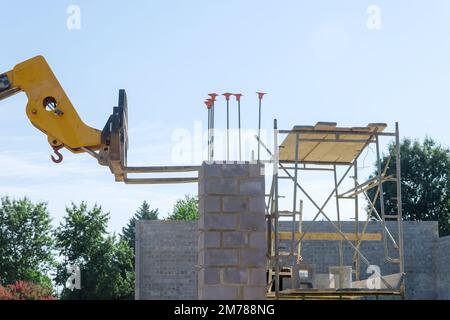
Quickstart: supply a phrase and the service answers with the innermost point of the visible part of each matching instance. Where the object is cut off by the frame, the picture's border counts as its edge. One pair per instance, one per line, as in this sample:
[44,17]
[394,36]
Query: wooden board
[324,151]
[286,235]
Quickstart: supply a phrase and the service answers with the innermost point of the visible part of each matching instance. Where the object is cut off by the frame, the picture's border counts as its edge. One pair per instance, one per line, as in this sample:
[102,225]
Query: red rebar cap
[213,96]
[238,96]
[208,103]
[227,95]
[261,95]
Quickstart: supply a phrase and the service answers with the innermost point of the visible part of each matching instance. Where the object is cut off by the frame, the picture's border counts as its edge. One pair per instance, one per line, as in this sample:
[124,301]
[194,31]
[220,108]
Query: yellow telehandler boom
[50,110]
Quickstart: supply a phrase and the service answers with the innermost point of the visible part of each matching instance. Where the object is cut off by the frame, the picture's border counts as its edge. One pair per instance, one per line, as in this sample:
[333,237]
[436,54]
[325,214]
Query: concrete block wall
[166,259]
[442,254]
[223,256]
[419,239]
[231,232]
[419,253]
[166,255]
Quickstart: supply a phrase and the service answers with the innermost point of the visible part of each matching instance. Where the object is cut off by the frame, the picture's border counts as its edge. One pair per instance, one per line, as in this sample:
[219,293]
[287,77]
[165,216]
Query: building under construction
[246,245]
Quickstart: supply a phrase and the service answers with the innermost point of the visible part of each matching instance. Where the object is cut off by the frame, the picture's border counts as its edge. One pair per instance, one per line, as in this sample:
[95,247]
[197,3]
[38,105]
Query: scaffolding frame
[291,170]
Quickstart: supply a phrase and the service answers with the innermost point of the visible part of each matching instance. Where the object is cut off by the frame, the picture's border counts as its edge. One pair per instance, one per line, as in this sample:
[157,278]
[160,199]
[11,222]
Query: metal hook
[60,157]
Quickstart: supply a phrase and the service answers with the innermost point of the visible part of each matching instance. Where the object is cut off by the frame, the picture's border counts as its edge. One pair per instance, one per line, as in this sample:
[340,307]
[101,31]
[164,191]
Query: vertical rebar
[260,97]
[239,124]
[208,104]
[228,130]
[209,134]
[212,130]
[238,99]
[259,128]
[213,100]
[227,97]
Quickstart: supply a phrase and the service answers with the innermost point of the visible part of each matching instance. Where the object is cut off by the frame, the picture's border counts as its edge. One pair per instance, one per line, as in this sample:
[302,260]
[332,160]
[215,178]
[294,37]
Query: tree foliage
[425,181]
[143,213]
[185,209]
[105,262]
[25,242]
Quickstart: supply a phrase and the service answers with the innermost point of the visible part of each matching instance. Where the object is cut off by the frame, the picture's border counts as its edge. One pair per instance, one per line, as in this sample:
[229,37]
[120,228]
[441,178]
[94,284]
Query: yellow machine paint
[49,109]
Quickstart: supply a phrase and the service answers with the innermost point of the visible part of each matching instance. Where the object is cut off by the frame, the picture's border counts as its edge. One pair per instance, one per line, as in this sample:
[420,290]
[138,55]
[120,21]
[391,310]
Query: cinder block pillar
[232,232]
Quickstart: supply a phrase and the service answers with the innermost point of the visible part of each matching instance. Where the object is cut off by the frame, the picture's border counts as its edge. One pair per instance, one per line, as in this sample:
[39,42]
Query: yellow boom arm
[49,109]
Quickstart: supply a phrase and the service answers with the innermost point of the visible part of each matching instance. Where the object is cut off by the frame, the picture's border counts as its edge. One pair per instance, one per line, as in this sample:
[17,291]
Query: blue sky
[317,60]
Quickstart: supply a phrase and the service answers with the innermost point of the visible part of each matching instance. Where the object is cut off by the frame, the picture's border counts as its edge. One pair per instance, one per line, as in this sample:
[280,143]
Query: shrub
[23,290]
[5,294]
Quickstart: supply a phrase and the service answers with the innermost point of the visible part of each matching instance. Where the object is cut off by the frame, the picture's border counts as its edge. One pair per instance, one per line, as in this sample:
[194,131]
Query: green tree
[185,209]
[105,262]
[25,242]
[425,181]
[143,213]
